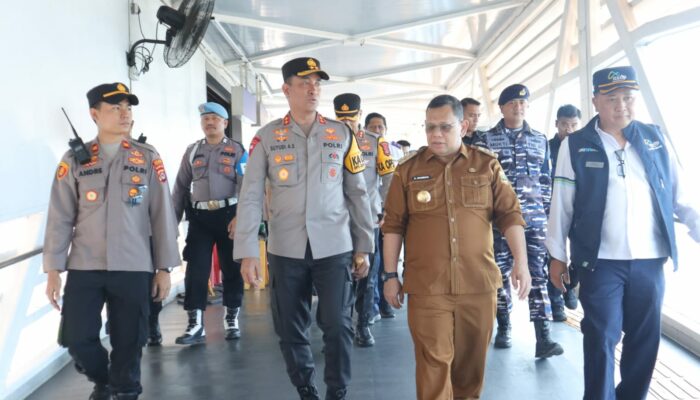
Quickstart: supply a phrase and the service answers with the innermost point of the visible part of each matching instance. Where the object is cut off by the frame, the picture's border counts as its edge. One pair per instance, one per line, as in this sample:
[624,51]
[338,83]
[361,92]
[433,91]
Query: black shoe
[336,394]
[194,333]
[100,392]
[155,338]
[386,311]
[231,323]
[308,392]
[363,337]
[558,314]
[503,339]
[570,299]
[545,346]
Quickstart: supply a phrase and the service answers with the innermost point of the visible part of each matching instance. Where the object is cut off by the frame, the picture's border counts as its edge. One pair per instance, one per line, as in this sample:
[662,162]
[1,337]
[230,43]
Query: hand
[231,228]
[360,265]
[393,292]
[381,222]
[521,280]
[558,272]
[250,271]
[53,288]
[161,286]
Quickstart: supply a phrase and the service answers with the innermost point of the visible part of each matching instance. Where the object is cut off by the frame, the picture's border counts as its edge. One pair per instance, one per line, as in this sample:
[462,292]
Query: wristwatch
[389,275]
[168,270]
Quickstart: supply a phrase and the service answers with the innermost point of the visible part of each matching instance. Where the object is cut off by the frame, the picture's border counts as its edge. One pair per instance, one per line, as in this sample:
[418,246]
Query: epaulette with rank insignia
[408,157]
[146,146]
[483,150]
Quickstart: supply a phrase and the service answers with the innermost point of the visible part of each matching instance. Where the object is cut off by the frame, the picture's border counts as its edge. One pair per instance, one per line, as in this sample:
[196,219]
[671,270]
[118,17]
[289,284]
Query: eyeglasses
[620,155]
[444,128]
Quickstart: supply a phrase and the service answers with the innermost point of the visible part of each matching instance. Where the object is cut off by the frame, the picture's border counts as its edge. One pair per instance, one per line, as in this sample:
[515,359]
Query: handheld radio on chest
[76,144]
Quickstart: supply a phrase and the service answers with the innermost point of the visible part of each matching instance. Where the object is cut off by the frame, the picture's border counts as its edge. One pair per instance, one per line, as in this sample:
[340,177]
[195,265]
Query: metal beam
[267,24]
[514,25]
[410,67]
[480,9]
[562,52]
[428,48]
[284,51]
[585,69]
[618,17]
[670,24]
[239,50]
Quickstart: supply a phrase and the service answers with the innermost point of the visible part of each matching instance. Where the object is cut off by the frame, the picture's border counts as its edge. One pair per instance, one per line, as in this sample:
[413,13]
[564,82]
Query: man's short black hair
[447,100]
[469,101]
[403,143]
[568,111]
[374,115]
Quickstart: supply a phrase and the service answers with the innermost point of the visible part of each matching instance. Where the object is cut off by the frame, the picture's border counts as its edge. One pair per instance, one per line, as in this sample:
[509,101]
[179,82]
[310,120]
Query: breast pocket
[331,165]
[536,148]
[199,168]
[284,168]
[423,196]
[92,191]
[476,191]
[227,167]
[134,189]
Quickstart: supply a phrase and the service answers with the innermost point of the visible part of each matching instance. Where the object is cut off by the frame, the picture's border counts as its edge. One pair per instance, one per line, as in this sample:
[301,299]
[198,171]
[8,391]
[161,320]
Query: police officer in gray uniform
[379,168]
[100,219]
[524,155]
[214,168]
[320,224]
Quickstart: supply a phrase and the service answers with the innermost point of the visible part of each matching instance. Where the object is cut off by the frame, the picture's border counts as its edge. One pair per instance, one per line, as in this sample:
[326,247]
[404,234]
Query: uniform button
[452,220]
[454,239]
[449,183]
[454,258]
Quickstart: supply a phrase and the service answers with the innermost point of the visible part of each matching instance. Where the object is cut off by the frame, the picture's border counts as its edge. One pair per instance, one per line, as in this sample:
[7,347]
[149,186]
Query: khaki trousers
[451,334]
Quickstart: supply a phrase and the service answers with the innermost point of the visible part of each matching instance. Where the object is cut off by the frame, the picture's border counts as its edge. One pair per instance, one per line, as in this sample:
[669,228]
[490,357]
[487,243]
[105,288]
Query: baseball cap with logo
[609,79]
[111,93]
[302,67]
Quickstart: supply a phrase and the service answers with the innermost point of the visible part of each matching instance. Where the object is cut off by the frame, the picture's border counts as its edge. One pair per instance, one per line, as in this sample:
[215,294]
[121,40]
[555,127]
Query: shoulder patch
[385,163]
[407,157]
[353,159]
[253,143]
[483,150]
[62,170]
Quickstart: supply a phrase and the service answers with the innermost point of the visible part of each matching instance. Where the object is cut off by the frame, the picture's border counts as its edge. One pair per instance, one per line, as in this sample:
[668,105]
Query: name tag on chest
[595,164]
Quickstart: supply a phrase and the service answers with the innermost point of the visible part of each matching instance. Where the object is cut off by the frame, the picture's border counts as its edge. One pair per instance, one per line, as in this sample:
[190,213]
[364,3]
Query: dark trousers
[366,287]
[291,281]
[621,296]
[127,297]
[379,301]
[206,229]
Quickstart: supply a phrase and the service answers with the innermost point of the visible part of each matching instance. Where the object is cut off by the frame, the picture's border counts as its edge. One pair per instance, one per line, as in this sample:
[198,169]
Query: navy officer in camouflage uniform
[524,155]
[320,226]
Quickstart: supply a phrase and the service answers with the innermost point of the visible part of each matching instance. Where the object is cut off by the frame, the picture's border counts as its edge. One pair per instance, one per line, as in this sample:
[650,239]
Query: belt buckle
[213,205]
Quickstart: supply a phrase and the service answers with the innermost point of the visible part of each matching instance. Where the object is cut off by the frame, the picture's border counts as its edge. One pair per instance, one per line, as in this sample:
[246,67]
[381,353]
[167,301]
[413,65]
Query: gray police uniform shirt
[103,216]
[317,192]
[214,172]
[379,168]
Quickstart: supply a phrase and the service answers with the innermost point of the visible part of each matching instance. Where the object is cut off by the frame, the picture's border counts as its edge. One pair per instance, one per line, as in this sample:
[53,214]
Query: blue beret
[609,79]
[213,108]
[513,92]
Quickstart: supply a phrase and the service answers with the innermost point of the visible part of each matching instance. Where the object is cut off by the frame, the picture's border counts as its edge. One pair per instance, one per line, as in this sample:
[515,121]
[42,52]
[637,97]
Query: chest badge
[283,174]
[91,195]
[423,196]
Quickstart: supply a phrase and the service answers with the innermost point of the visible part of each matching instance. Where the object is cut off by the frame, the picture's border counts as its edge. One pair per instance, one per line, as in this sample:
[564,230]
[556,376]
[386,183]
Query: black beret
[513,92]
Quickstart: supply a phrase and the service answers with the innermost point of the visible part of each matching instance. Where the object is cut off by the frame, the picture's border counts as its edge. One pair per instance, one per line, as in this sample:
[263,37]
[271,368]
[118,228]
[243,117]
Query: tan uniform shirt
[379,168]
[317,192]
[212,171]
[445,212]
[103,216]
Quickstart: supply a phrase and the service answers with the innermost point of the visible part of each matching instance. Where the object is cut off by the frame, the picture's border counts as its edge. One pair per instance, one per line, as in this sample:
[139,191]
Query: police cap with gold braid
[111,93]
[302,67]
[347,106]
